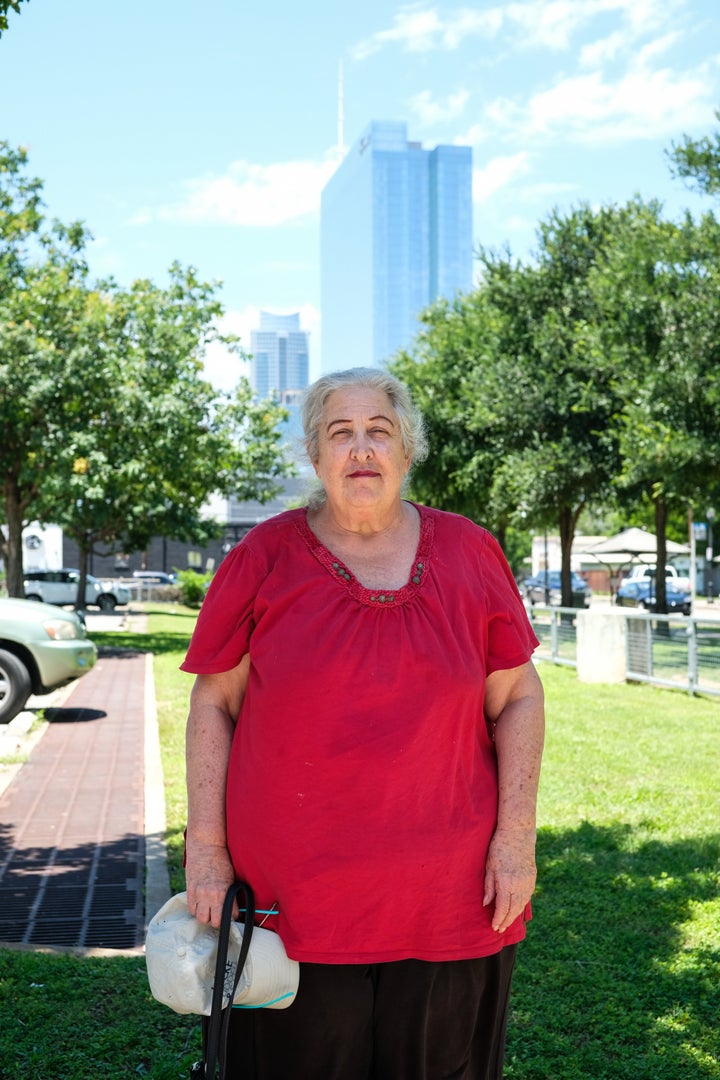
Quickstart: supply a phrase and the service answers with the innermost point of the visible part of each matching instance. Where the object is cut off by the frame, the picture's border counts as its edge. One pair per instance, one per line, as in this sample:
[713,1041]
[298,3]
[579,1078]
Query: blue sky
[205,133]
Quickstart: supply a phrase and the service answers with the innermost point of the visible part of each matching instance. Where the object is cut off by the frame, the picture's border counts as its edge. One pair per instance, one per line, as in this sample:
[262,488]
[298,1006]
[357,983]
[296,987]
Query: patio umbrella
[633,544]
[627,547]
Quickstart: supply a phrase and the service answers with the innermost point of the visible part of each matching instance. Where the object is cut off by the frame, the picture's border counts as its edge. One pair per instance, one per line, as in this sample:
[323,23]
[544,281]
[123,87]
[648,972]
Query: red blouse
[362,784]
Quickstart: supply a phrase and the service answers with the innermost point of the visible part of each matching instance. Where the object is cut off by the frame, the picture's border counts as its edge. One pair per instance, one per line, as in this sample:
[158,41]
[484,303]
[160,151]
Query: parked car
[534,589]
[154,577]
[61,586]
[647,572]
[41,648]
[641,594]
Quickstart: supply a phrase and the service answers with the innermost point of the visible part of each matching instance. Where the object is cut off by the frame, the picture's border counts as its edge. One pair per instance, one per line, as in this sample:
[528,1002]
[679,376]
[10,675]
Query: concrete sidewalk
[82,822]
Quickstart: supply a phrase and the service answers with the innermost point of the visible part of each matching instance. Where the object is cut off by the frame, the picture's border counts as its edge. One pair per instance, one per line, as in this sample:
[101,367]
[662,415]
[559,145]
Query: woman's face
[361,461]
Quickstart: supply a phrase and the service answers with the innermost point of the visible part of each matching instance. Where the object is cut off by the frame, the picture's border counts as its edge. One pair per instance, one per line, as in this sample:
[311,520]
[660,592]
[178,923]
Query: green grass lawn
[619,978]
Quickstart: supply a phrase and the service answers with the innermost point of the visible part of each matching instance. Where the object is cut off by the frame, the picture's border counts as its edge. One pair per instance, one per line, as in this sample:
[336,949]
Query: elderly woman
[363,747]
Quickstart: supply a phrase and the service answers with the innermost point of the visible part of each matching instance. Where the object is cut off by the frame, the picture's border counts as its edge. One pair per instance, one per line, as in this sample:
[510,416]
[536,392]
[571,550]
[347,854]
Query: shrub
[193,587]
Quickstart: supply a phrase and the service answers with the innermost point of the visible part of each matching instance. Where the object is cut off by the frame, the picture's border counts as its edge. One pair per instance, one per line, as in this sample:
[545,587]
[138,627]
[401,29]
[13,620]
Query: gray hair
[412,428]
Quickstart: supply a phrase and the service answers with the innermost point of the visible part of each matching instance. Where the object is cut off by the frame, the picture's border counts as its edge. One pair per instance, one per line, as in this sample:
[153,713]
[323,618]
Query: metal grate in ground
[72,844]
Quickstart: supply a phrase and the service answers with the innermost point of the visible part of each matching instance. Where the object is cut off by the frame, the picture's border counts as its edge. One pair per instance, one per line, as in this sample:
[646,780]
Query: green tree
[519,407]
[451,358]
[563,450]
[109,427]
[42,297]
[660,291]
[698,160]
[157,439]
[5,7]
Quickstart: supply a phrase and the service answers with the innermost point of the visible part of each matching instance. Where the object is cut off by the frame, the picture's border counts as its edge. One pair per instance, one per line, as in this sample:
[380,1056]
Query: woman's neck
[362,522]
[379,553]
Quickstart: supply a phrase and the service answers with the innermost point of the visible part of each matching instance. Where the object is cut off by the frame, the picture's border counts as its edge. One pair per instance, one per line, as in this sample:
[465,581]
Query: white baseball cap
[181,953]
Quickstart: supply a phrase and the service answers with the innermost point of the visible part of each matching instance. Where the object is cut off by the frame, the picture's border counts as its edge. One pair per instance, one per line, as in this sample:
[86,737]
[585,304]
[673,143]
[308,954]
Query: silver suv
[61,587]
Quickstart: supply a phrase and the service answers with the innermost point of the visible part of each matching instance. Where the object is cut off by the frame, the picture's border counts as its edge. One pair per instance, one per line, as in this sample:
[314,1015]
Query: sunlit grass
[619,978]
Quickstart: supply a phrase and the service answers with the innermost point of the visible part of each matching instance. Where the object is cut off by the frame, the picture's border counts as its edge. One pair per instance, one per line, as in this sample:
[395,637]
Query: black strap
[219,1022]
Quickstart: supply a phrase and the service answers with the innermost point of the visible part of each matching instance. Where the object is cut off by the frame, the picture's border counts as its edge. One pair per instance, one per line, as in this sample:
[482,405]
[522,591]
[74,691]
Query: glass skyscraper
[279,355]
[396,234]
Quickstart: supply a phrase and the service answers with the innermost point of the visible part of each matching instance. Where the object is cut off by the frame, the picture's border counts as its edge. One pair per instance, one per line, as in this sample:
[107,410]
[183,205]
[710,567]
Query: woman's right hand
[209,874]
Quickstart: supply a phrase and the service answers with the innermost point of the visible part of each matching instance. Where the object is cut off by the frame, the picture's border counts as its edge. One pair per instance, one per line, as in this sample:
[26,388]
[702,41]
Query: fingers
[508,906]
[206,904]
[208,874]
[510,899]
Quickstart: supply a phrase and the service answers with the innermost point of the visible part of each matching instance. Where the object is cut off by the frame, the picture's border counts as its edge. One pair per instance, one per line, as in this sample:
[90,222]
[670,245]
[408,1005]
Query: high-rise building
[396,234]
[279,355]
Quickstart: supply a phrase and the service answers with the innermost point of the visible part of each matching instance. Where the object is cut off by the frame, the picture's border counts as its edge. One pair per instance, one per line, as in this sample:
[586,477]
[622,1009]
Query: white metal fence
[676,651]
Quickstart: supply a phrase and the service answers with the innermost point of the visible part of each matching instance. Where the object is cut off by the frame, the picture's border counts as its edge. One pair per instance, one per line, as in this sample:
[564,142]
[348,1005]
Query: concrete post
[601,648]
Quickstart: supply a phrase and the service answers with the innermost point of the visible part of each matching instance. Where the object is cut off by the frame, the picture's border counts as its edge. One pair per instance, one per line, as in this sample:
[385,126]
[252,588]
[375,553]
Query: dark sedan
[535,589]
[641,594]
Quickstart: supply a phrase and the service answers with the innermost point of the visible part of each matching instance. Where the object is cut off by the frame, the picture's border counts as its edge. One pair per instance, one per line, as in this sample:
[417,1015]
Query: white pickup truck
[646,571]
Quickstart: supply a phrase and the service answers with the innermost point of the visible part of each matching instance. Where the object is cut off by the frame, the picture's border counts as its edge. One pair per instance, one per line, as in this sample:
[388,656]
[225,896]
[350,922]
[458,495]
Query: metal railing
[676,651]
[679,652]
[556,630]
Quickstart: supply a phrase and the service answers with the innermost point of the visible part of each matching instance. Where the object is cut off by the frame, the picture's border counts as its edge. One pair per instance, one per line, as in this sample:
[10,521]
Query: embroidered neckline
[388,598]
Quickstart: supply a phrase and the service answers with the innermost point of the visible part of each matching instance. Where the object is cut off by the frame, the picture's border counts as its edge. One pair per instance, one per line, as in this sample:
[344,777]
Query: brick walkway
[72,822]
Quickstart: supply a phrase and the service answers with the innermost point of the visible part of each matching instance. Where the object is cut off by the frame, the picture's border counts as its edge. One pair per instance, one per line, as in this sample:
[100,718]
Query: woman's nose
[362,445]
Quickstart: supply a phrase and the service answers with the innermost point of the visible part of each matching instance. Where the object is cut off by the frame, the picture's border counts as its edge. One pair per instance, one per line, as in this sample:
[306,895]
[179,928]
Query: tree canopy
[5,7]
[109,427]
[698,161]
[584,379]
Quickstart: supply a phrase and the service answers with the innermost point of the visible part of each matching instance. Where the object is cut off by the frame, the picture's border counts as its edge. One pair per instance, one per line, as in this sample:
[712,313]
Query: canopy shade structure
[631,544]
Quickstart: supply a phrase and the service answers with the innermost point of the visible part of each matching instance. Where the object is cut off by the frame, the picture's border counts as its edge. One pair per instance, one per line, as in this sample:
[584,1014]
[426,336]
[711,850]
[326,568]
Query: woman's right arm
[214,707]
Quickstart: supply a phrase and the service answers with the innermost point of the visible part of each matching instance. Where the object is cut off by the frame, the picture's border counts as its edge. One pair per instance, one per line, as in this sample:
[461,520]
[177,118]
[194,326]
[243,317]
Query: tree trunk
[661,562]
[567,521]
[12,553]
[82,570]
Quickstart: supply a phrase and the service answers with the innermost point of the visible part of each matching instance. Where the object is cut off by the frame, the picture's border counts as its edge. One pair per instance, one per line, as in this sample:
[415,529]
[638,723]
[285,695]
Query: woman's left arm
[514,705]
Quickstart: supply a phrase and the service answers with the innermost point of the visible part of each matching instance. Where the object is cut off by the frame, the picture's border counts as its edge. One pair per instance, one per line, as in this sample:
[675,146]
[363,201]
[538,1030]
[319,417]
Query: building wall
[346,259]
[279,355]
[396,233]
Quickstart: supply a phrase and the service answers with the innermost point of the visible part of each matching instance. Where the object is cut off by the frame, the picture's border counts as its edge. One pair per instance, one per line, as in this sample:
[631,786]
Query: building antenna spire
[341,111]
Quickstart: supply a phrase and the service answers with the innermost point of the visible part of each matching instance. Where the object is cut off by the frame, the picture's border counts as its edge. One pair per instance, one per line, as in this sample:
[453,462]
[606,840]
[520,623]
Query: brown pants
[408,1020]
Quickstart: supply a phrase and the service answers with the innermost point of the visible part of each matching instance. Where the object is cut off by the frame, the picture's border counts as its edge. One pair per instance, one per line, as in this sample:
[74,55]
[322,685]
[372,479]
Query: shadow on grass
[117,643]
[175,846]
[607,986]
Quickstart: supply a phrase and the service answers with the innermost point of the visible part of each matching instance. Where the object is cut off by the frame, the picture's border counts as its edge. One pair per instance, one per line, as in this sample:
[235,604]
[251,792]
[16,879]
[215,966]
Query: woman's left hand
[509,875]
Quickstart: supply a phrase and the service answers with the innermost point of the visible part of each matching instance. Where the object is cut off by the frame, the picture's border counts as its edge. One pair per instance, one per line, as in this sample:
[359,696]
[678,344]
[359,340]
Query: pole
[693,555]
[709,554]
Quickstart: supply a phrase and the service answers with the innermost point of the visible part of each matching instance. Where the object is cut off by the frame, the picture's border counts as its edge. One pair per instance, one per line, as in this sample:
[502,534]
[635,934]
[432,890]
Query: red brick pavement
[72,841]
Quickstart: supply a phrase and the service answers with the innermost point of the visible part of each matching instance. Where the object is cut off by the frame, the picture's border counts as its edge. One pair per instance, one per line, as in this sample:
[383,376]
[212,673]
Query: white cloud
[250,195]
[604,50]
[540,192]
[416,30]
[642,104]
[547,24]
[497,174]
[431,112]
[626,41]
[592,108]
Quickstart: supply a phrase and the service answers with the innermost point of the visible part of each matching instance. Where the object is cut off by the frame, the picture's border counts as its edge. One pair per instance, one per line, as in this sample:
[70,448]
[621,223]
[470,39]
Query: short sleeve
[511,638]
[225,623]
